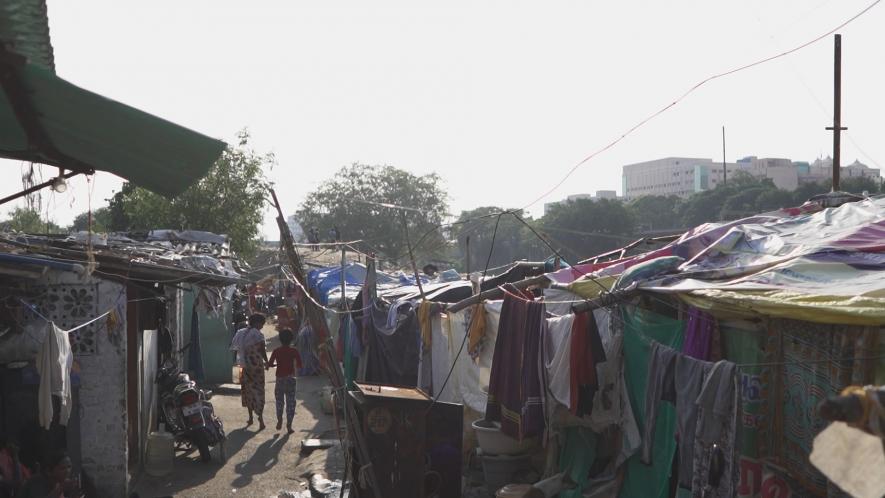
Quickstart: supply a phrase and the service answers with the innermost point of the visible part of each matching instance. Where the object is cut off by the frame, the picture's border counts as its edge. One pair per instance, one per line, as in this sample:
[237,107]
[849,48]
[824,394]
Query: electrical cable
[689,92]
[473,317]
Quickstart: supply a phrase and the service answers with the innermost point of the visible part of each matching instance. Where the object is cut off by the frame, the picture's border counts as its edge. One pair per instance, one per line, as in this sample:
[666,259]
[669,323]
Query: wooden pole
[837,113]
[412,255]
[315,315]
[343,303]
[317,321]
[467,257]
[724,168]
[497,293]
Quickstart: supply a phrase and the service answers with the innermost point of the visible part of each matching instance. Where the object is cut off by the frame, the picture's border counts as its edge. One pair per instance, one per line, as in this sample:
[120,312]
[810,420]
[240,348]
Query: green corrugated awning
[91,131]
[24,27]
[45,119]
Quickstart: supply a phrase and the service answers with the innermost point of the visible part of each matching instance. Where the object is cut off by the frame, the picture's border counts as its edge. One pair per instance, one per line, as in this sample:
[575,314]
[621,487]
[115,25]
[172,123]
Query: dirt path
[259,464]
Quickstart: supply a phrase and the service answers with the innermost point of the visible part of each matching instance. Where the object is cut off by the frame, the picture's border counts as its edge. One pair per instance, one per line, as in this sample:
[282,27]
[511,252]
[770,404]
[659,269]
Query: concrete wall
[102,403]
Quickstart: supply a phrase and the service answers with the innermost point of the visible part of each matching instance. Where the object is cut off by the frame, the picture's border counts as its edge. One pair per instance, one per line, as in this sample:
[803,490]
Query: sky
[500,98]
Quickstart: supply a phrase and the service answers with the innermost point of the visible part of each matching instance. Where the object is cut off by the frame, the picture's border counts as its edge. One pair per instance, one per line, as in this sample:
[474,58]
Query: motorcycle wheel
[202,444]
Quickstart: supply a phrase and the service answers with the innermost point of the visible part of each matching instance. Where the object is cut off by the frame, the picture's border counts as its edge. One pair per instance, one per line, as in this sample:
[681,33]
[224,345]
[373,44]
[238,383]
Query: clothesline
[33,309]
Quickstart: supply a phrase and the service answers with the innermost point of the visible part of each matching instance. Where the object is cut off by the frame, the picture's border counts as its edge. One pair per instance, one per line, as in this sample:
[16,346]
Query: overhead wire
[473,317]
[690,91]
[643,122]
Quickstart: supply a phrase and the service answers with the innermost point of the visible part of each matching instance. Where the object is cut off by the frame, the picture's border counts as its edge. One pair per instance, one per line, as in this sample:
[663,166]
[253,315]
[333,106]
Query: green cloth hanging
[578,454]
[641,327]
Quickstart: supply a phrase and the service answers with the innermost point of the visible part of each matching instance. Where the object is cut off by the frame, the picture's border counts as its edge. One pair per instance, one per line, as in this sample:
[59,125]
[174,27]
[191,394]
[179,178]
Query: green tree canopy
[513,241]
[352,200]
[28,220]
[101,221]
[228,200]
[655,212]
[583,228]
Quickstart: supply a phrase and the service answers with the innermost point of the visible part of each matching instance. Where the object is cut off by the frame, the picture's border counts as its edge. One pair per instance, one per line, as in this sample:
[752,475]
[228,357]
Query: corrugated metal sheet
[24,28]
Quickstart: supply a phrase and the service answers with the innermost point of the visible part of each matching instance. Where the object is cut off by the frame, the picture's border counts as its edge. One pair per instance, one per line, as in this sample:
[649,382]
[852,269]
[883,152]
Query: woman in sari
[252,356]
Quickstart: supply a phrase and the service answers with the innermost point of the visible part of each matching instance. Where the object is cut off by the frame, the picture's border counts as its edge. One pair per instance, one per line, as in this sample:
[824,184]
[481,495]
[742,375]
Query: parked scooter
[187,412]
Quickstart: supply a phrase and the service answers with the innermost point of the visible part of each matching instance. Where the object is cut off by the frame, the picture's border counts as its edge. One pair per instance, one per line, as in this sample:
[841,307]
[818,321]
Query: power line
[689,92]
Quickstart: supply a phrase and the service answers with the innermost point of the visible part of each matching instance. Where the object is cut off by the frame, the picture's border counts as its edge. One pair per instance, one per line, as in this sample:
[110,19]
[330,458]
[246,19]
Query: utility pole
[837,112]
[467,257]
[724,168]
[412,255]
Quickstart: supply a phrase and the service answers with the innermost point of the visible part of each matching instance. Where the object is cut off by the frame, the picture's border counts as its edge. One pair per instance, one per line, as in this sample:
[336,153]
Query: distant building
[821,170]
[684,176]
[600,194]
[679,176]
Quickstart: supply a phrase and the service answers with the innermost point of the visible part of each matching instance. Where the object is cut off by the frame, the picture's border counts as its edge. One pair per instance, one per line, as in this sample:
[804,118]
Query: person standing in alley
[287,361]
[252,354]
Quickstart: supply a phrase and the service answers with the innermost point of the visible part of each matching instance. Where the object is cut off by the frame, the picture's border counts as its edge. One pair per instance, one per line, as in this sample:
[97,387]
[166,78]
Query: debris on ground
[321,487]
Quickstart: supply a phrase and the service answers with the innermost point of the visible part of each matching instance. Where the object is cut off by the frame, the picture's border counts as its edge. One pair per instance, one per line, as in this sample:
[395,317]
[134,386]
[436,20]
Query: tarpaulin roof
[827,266]
[45,119]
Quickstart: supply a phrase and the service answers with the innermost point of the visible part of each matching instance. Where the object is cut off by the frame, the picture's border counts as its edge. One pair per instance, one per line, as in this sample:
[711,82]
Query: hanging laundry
[607,404]
[557,355]
[515,392]
[393,354]
[586,352]
[699,332]
[678,379]
[477,330]
[424,324]
[54,365]
[715,468]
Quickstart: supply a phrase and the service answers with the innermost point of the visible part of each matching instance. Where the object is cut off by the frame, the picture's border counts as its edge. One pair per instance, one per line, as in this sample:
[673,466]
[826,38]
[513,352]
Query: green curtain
[640,328]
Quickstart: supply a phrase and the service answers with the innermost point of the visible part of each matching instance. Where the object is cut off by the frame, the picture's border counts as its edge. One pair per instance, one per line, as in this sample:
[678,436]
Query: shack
[117,305]
[675,367]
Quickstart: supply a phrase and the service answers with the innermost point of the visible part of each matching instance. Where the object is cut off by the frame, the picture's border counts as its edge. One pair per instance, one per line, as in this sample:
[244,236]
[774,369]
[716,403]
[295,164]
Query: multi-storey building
[684,176]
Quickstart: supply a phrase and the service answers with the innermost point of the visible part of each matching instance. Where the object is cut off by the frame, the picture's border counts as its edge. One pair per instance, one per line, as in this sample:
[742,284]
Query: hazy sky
[500,98]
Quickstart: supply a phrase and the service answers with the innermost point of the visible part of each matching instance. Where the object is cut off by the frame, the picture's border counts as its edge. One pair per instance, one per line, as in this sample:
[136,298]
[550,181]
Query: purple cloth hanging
[515,392]
[698,334]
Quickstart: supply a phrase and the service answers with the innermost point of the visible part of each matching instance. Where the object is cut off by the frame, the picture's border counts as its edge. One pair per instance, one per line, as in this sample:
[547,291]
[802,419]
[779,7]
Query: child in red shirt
[286,359]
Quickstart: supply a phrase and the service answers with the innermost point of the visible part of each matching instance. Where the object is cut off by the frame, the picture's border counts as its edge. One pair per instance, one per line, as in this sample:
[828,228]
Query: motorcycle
[188,413]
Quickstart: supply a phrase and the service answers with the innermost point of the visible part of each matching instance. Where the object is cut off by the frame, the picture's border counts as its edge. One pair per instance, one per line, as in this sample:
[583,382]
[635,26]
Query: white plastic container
[494,442]
[160,453]
[236,374]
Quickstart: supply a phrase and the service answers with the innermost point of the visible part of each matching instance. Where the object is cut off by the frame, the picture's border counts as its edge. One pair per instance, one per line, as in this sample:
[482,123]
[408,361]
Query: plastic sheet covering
[825,267]
[591,287]
[640,328]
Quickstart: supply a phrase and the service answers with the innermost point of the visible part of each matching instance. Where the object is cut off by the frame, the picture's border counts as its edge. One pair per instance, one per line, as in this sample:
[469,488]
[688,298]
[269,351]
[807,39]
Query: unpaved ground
[259,464]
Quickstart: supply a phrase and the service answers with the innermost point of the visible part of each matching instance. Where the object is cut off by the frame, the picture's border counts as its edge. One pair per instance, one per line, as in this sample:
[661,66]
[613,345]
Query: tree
[28,220]
[859,184]
[228,200]
[584,228]
[656,212]
[513,241]
[101,221]
[358,200]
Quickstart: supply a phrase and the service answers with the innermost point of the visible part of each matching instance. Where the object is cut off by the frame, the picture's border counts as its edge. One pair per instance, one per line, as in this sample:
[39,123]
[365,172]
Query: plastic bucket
[160,453]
